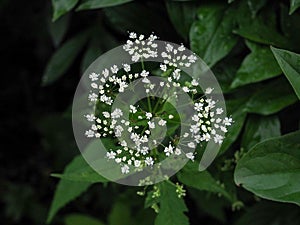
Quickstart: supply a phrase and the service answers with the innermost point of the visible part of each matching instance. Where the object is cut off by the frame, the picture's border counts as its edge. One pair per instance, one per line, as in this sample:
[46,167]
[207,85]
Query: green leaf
[96,4]
[255,6]
[295,4]
[66,190]
[259,65]
[262,29]
[172,207]
[259,128]
[203,181]
[61,7]
[91,54]
[136,15]
[182,16]
[264,213]
[58,29]
[289,62]
[211,34]
[79,219]
[271,169]
[272,98]
[120,214]
[63,58]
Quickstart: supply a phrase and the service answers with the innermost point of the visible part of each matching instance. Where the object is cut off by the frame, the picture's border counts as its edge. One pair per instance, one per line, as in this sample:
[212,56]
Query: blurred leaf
[203,181]
[96,4]
[272,98]
[259,65]
[120,214]
[255,6]
[58,29]
[264,213]
[182,15]
[66,190]
[63,58]
[295,4]
[78,219]
[289,62]
[61,7]
[93,51]
[259,128]
[262,29]
[172,207]
[271,169]
[136,16]
[211,34]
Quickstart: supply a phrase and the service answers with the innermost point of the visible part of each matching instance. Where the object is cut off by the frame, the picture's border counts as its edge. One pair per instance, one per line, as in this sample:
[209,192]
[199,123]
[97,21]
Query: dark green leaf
[79,219]
[182,15]
[259,65]
[63,58]
[58,29]
[295,4]
[211,34]
[120,214]
[272,98]
[61,7]
[66,190]
[172,207]
[289,62]
[259,128]
[203,181]
[271,169]
[96,4]
[264,213]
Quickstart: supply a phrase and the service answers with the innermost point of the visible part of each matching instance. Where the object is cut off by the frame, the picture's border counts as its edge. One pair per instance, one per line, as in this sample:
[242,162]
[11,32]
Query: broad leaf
[63,58]
[203,181]
[182,16]
[61,7]
[289,62]
[211,34]
[172,208]
[79,219]
[58,29]
[264,213]
[272,98]
[271,169]
[66,190]
[120,214]
[295,4]
[96,4]
[259,128]
[259,65]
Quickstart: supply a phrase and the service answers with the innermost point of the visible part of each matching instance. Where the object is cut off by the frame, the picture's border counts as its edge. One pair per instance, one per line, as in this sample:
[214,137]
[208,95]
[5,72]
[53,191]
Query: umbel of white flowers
[207,123]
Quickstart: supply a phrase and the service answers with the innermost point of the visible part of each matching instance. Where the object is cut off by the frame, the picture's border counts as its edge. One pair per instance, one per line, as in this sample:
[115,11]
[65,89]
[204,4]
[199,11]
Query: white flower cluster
[140,48]
[134,148]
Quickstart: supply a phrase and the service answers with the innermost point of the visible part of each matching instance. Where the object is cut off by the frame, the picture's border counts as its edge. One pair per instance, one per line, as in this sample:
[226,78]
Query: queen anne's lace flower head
[134,149]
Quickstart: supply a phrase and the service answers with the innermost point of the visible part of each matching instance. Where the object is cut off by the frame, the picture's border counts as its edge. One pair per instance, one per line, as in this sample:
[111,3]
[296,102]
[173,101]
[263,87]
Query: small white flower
[219,111]
[93,76]
[149,161]
[93,97]
[117,113]
[185,89]
[191,145]
[162,122]
[227,121]
[125,169]
[168,150]
[218,139]
[137,163]
[195,82]
[171,116]
[208,90]
[177,151]
[190,156]
[114,69]
[90,117]
[127,67]
[111,155]
[106,114]
[163,67]
[132,35]
[90,133]
[148,115]
[132,109]
[144,73]
[151,125]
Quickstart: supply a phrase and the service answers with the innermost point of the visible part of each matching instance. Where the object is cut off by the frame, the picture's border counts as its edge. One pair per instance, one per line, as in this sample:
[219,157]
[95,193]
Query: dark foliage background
[36,130]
